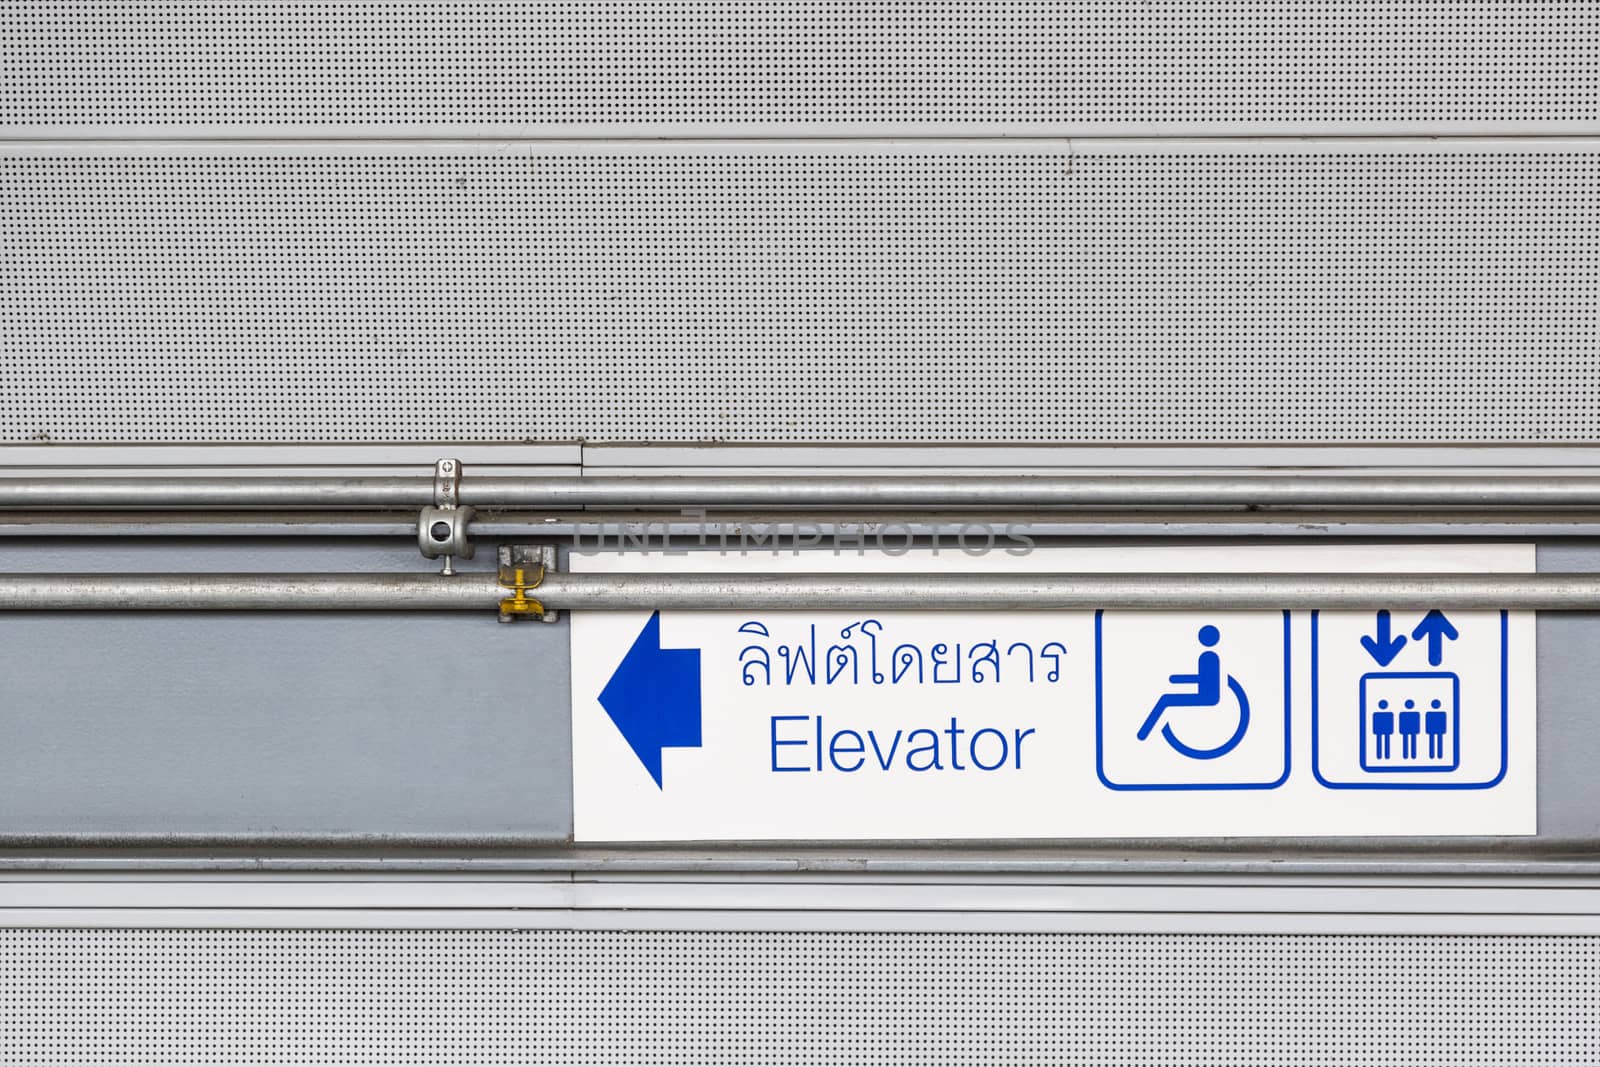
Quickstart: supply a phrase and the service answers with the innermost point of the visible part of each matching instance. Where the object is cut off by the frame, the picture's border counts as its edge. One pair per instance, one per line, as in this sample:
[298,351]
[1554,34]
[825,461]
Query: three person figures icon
[1207,693]
[1411,724]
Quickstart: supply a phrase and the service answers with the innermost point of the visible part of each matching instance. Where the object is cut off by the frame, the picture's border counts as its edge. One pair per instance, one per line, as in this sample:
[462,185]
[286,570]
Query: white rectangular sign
[897,726]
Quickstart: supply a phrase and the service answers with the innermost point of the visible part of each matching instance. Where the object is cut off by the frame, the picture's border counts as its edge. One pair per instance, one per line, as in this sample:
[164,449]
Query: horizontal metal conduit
[968,492]
[793,592]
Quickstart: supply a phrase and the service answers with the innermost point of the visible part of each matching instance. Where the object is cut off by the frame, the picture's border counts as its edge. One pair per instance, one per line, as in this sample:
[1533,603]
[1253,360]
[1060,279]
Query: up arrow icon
[1435,629]
[653,697]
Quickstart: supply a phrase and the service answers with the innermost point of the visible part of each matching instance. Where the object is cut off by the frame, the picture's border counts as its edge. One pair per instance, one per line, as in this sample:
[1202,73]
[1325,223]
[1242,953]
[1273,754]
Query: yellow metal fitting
[519,603]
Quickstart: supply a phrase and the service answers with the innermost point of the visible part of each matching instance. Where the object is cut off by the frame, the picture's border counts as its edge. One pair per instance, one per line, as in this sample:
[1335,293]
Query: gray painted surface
[302,725]
[1569,728]
[282,724]
[1569,725]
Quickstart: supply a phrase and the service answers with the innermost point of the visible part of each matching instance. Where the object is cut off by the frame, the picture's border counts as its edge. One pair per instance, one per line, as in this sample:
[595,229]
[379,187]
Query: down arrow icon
[1381,646]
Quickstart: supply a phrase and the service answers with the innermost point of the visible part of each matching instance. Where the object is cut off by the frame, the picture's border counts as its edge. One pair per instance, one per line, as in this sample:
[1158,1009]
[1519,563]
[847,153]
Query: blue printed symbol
[1391,710]
[1435,629]
[1410,705]
[1207,681]
[653,697]
[1380,646]
[1222,725]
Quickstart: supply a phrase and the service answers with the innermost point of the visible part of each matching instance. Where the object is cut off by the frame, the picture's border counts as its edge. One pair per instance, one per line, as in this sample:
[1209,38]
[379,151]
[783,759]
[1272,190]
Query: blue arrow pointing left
[654,697]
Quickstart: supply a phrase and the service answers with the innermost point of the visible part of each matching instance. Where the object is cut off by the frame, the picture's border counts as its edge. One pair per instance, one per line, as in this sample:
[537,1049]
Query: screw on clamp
[522,569]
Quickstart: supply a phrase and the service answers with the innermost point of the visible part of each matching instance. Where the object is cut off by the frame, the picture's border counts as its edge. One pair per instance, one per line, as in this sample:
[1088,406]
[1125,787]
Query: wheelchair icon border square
[1099,727]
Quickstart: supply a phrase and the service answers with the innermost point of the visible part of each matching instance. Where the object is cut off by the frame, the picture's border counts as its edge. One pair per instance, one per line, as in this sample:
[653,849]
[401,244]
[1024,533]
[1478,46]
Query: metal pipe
[248,592]
[760,531]
[812,491]
[479,591]
[80,494]
[1012,491]
[1066,592]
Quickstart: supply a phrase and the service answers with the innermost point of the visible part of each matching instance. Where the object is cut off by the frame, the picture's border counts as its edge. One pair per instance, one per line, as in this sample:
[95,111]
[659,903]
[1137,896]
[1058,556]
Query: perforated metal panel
[818,62]
[803,295]
[554,997]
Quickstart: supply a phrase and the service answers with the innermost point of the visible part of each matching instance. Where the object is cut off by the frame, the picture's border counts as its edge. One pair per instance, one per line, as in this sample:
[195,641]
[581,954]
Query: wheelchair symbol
[1207,693]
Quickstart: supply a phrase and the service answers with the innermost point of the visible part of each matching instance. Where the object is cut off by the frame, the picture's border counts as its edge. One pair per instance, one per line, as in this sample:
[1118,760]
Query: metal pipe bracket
[442,529]
[522,568]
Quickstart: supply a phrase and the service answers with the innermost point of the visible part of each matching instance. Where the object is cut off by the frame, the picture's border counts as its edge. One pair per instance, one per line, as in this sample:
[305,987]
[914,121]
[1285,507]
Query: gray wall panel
[1016,63]
[897,294]
[889,1000]
[292,724]
[1569,731]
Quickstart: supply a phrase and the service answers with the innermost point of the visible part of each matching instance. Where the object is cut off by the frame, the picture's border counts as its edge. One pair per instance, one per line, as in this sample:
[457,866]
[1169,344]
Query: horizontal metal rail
[249,592]
[796,592]
[818,492]
[761,531]
[80,494]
